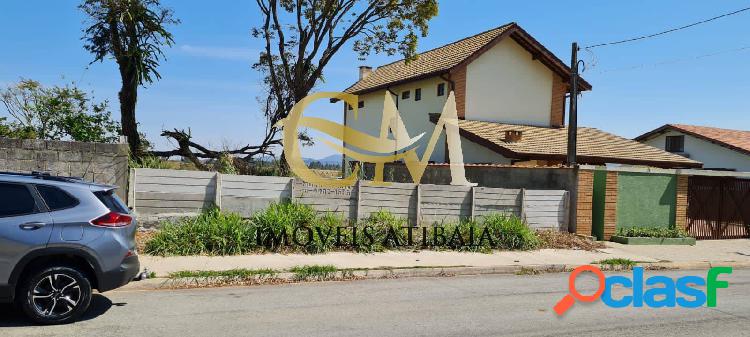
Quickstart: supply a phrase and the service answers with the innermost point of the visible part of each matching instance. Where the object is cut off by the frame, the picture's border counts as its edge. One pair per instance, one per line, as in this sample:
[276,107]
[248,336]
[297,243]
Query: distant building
[718,149]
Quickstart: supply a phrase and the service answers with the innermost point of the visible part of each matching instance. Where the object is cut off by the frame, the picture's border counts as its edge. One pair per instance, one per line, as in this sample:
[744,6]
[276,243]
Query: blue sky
[209,87]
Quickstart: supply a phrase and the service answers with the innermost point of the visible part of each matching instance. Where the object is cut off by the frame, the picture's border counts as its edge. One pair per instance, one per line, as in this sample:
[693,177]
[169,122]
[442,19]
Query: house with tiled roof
[718,149]
[510,94]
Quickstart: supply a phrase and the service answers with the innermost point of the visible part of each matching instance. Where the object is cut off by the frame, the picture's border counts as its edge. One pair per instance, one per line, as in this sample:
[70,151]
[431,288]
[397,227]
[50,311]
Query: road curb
[392,273]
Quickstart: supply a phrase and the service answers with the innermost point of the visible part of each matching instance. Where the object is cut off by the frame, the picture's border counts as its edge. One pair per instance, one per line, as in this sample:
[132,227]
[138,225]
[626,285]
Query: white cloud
[221,53]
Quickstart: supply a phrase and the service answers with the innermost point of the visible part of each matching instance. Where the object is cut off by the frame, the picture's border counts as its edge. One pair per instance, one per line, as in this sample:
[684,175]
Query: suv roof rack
[44,176]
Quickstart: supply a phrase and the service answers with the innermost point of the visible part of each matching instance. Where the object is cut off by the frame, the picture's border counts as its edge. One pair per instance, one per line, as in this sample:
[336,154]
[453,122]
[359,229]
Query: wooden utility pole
[573,119]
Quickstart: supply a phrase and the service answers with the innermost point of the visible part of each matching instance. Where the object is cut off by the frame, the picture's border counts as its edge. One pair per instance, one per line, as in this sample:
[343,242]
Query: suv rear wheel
[55,295]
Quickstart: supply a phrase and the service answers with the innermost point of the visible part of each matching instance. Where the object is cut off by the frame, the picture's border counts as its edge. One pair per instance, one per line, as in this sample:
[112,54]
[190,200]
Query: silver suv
[60,238]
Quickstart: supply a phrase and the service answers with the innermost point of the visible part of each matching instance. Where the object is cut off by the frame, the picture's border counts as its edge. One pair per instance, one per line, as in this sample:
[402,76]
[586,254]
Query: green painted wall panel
[645,199]
[597,209]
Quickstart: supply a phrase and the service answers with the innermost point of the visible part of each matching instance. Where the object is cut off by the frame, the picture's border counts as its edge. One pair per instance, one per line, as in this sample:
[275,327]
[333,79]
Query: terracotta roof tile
[737,140]
[430,62]
[594,146]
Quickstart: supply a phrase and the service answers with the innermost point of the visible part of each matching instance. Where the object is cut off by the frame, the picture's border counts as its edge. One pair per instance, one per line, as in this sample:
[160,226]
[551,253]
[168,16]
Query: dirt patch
[561,240]
[142,236]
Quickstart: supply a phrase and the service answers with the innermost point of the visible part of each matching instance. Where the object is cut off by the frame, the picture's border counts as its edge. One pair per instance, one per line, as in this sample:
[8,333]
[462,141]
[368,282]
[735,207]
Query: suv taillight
[112,219]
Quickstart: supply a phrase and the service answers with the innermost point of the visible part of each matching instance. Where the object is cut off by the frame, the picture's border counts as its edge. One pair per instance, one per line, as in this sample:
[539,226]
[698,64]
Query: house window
[675,144]
[349,106]
[361,104]
[405,94]
[441,89]
[417,94]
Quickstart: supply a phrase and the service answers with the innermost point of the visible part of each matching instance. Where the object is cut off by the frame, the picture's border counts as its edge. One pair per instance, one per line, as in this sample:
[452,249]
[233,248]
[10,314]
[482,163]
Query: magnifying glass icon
[566,302]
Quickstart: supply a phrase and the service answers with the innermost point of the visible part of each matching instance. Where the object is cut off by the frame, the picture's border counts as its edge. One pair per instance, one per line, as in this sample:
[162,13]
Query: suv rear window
[55,198]
[16,199]
[110,199]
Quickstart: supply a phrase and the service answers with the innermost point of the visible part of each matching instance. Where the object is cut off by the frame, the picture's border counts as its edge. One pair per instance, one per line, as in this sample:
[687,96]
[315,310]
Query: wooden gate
[718,207]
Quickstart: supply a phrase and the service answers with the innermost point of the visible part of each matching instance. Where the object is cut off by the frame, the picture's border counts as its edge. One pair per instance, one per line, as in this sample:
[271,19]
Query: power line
[668,31]
[673,61]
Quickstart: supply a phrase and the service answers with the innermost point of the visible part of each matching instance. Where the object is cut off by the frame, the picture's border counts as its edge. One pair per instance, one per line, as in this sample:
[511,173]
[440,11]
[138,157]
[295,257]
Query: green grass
[651,232]
[511,232]
[232,273]
[275,228]
[314,272]
[618,262]
[211,233]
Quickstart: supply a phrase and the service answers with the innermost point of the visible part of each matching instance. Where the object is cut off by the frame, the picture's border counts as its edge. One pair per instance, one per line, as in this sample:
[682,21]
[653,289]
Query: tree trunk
[128,98]
[284,169]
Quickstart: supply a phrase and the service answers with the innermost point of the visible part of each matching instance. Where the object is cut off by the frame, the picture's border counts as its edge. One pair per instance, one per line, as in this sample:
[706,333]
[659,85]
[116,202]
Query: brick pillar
[557,108]
[458,77]
[680,220]
[584,202]
[610,205]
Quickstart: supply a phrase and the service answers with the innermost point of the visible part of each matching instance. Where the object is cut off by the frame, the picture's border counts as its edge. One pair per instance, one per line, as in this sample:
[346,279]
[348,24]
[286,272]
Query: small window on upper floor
[349,107]
[361,104]
[405,94]
[417,94]
[675,144]
[441,89]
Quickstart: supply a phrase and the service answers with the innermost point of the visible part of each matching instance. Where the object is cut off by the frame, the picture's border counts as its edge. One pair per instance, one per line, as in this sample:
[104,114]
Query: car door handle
[30,226]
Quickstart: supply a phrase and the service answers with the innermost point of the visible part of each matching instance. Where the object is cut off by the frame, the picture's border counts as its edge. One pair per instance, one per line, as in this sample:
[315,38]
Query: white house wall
[506,85]
[710,154]
[415,114]
[478,154]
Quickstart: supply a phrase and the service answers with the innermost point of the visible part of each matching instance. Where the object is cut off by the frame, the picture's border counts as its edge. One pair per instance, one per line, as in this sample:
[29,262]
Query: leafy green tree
[56,113]
[133,33]
[301,37]
[14,130]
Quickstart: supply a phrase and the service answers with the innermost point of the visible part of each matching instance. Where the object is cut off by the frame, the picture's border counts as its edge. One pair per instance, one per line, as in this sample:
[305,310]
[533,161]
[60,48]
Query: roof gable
[737,140]
[445,58]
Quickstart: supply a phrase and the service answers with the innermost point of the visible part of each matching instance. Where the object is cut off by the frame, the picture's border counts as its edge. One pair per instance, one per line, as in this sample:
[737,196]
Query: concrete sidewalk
[704,253]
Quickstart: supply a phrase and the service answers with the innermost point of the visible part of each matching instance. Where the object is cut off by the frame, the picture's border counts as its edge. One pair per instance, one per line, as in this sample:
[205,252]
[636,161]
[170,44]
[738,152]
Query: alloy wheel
[56,295]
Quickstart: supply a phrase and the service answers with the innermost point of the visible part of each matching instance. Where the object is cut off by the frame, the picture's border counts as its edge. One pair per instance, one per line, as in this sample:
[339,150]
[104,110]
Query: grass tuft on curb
[240,273]
[314,272]
[619,262]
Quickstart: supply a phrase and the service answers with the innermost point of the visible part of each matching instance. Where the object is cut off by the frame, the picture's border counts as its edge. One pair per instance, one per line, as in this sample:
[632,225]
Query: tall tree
[301,37]
[133,33]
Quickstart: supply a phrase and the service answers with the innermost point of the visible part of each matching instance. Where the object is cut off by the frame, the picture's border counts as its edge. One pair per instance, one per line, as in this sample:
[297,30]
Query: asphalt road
[452,306]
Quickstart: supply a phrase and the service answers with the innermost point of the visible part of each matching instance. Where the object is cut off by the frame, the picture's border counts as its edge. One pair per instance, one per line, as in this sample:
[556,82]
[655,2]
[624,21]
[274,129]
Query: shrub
[282,219]
[211,233]
[294,227]
[652,232]
[384,223]
[511,232]
[225,164]
[148,161]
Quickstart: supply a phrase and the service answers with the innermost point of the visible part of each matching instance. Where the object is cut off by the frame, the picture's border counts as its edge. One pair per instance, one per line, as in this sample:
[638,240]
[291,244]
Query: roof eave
[665,127]
[399,82]
[508,153]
